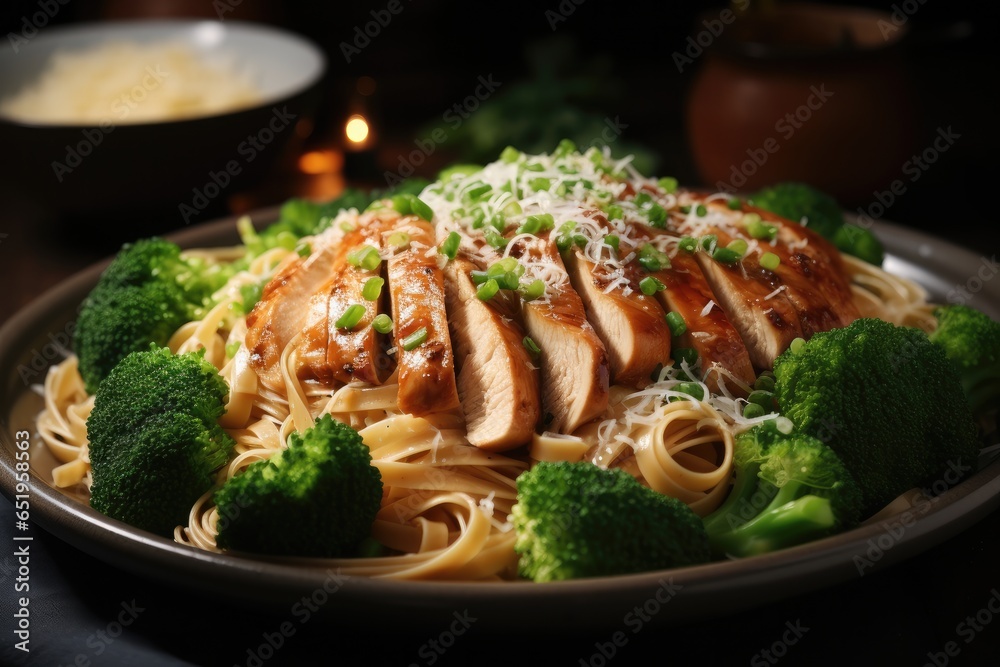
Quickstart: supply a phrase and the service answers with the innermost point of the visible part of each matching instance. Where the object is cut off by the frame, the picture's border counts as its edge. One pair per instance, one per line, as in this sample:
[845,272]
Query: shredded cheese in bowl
[128,82]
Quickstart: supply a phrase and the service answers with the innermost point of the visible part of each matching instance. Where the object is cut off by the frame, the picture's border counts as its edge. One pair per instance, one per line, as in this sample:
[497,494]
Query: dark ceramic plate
[28,345]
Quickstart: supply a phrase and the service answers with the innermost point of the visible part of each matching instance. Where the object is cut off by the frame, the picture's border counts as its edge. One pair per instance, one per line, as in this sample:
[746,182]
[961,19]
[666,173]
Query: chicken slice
[707,327]
[575,373]
[631,324]
[427,381]
[498,382]
[285,306]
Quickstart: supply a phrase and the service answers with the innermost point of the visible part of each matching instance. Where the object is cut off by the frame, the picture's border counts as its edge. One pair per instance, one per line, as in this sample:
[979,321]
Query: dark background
[607,59]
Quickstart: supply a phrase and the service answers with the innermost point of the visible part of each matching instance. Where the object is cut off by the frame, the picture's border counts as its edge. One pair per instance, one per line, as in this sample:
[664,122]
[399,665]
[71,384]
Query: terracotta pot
[807,92]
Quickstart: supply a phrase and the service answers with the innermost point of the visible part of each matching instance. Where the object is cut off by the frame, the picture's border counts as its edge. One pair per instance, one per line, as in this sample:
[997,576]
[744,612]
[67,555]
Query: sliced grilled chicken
[708,329]
[498,382]
[631,324]
[357,353]
[754,299]
[575,374]
[813,271]
[285,306]
[427,381]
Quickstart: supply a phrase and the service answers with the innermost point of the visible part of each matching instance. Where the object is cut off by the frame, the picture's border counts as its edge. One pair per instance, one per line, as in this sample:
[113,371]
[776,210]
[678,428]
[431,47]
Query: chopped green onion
[770,261]
[762,230]
[449,247]
[764,399]
[372,288]
[476,192]
[612,241]
[479,277]
[382,323]
[687,355]
[701,211]
[534,166]
[399,240]
[537,223]
[676,323]
[408,204]
[414,339]
[734,204]
[668,184]
[531,346]
[538,184]
[532,290]
[565,147]
[688,244]
[500,267]
[494,238]
[580,240]
[488,290]
[764,383]
[509,154]
[615,212]
[347,227]
[738,245]
[457,171]
[709,241]
[650,285]
[351,317]
[752,411]
[365,257]
[657,215]
[652,259]
[693,389]
[726,256]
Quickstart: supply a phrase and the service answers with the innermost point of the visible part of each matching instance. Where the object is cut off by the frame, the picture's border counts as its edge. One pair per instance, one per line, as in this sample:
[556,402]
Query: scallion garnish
[365,257]
[372,288]
[351,317]
[414,339]
[382,323]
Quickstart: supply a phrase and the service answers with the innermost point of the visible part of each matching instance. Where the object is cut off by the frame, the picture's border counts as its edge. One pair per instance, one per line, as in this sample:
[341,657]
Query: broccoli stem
[747,492]
[782,524]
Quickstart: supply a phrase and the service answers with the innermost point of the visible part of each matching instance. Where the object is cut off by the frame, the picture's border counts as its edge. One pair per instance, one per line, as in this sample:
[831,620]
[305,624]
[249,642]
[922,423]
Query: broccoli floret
[578,520]
[808,205]
[788,489]
[886,399]
[317,497]
[146,293]
[154,437]
[971,340]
